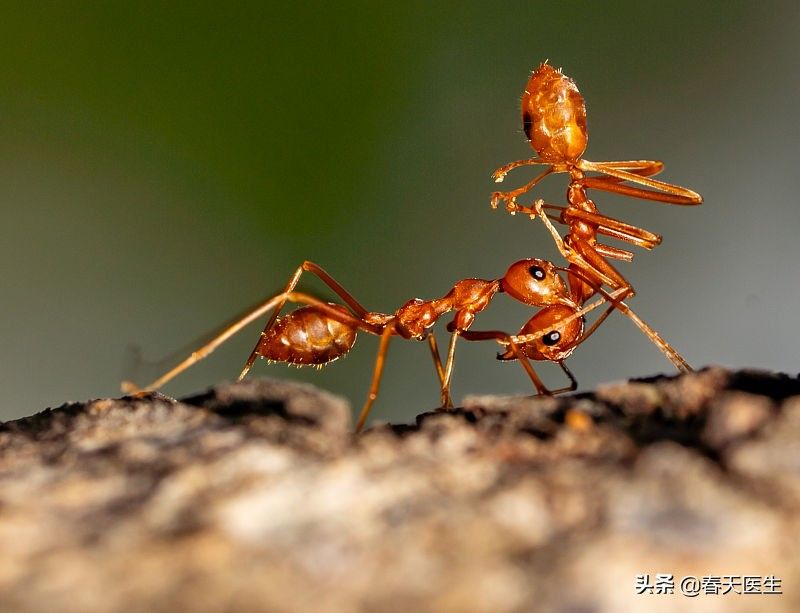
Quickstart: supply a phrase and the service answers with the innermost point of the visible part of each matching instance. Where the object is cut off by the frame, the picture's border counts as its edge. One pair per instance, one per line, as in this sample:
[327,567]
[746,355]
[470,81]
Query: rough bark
[257,497]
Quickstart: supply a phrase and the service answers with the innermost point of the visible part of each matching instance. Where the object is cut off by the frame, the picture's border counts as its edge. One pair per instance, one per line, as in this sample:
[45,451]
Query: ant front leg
[622,290]
[506,340]
[500,174]
[528,368]
[573,382]
[569,254]
[516,343]
[511,197]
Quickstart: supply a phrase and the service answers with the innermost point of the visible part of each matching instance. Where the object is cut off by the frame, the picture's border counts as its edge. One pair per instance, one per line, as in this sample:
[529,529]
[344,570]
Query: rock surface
[256,497]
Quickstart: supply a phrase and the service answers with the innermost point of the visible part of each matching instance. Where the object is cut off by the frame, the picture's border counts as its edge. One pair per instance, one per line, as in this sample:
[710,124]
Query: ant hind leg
[328,280]
[659,190]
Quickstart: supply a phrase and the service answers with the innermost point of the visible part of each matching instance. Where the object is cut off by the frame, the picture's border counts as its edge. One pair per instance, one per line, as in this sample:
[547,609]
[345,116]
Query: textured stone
[256,497]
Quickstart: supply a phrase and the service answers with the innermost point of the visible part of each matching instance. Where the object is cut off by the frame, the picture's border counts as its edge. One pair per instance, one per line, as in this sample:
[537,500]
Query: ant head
[561,334]
[535,282]
[554,115]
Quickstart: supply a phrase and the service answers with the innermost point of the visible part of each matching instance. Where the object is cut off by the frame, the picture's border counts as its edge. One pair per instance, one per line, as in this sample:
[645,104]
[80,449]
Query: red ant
[320,332]
[554,121]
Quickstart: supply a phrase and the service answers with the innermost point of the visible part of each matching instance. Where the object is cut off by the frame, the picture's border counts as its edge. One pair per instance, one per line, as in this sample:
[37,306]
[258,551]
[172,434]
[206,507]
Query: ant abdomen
[308,336]
[554,115]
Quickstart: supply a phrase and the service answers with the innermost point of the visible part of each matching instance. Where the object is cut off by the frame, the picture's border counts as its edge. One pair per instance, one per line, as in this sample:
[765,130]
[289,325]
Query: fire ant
[554,121]
[320,332]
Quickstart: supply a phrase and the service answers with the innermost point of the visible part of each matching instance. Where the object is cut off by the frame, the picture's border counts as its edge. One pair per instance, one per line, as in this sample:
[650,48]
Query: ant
[554,121]
[319,332]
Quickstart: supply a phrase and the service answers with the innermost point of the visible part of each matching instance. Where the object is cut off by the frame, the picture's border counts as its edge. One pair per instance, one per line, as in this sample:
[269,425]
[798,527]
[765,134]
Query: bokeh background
[165,165]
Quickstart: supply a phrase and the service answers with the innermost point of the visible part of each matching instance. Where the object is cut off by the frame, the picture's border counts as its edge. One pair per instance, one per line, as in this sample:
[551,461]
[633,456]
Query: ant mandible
[554,121]
[319,332]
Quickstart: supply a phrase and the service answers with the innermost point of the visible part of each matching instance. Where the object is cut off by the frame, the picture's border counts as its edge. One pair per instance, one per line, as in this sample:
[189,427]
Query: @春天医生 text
[709,585]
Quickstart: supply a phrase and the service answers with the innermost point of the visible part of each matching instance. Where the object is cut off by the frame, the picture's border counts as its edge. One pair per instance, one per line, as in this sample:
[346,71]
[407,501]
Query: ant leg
[440,372]
[643,168]
[613,297]
[614,253]
[507,340]
[664,192]
[667,349]
[573,385]
[537,382]
[526,210]
[573,382]
[598,263]
[500,174]
[614,186]
[511,197]
[528,368]
[447,401]
[579,252]
[334,285]
[293,280]
[617,229]
[671,354]
[622,290]
[513,342]
[605,225]
[383,347]
[206,349]
[568,252]
[317,270]
[603,316]
[437,360]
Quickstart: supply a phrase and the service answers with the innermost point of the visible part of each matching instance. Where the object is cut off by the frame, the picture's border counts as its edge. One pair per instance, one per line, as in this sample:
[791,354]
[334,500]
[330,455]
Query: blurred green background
[165,165]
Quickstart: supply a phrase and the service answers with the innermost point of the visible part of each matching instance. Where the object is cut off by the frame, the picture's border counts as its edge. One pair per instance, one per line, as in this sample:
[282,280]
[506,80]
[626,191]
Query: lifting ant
[554,121]
[320,332]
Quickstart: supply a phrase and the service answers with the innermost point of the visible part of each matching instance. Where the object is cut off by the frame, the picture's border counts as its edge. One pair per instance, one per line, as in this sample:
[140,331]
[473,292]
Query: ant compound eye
[551,338]
[537,272]
[527,124]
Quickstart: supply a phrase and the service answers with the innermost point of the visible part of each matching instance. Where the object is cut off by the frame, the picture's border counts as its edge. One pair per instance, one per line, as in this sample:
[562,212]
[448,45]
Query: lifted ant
[320,332]
[554,121]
